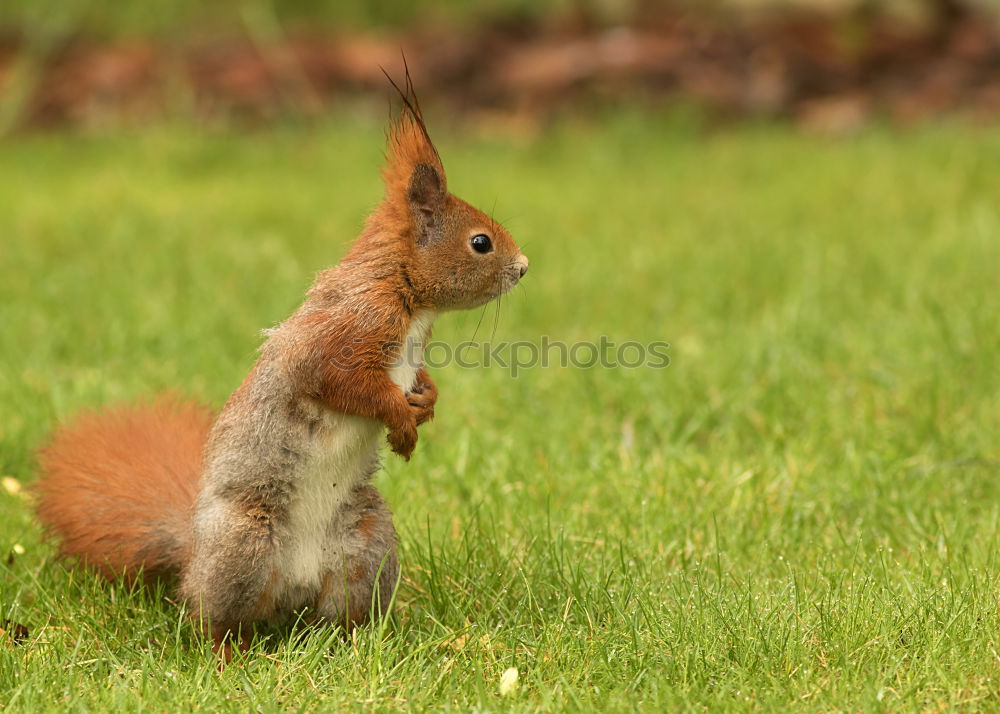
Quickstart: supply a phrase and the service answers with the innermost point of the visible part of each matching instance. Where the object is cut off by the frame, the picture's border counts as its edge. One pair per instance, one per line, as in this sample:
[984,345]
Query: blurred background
[829,65]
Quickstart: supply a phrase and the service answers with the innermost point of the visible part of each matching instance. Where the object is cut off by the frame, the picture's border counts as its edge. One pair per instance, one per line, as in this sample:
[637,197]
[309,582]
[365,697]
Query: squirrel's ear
[425,195]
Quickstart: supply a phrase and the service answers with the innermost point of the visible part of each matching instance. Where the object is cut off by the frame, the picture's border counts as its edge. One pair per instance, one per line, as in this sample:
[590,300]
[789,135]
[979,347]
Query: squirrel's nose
[524,266]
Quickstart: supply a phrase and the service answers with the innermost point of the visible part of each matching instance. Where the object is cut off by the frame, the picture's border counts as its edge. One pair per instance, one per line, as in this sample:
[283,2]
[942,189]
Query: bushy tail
[118,487]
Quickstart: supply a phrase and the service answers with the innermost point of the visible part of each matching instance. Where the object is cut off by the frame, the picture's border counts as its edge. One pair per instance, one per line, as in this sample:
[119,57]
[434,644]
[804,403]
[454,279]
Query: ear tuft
[415,184]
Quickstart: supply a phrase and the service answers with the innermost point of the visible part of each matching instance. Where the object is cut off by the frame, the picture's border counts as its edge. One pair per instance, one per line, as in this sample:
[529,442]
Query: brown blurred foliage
[829,72]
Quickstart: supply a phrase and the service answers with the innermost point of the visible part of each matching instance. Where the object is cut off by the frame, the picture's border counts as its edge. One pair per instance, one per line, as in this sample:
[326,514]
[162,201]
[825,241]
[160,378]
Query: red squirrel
[268,508]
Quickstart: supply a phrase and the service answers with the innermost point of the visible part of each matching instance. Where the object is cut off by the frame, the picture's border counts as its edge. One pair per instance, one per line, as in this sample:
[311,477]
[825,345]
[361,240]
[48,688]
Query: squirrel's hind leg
[362,582]
[231,577]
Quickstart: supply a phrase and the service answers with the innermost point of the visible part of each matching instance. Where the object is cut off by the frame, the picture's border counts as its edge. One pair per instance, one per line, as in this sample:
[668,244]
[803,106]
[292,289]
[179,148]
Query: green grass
[801,512]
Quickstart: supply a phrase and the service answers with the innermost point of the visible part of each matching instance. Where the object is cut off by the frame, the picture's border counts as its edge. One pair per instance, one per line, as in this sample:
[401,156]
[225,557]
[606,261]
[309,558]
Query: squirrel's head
[460,257]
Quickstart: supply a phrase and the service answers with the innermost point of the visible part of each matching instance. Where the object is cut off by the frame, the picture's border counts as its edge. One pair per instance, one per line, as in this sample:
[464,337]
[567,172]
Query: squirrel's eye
[481,243]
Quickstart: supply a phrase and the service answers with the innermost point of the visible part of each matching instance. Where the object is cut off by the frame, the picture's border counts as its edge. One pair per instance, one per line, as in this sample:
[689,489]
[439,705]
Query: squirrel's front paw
[422,404]
[423,397]
[403,439]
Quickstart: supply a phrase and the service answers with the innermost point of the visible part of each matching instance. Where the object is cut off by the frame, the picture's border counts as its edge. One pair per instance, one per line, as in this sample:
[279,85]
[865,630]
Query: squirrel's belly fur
[345,456]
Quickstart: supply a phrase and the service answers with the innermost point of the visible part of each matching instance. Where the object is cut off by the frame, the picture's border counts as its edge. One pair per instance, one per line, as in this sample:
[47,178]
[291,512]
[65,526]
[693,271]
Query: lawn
[800,512]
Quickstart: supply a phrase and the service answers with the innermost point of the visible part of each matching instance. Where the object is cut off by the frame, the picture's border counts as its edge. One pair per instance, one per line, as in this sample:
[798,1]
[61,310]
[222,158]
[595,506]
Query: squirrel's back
[118,487]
